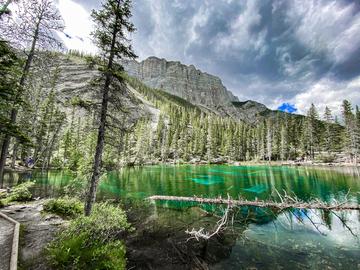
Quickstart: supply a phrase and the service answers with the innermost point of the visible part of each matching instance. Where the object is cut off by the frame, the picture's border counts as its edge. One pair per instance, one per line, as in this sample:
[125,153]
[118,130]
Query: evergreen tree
[350,144]
[311,132]
[329,133]
[284,148]
[357,129]
[112,23]
[269,142]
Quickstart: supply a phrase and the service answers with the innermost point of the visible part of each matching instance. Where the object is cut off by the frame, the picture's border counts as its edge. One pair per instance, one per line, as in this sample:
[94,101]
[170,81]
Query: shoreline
[205,163]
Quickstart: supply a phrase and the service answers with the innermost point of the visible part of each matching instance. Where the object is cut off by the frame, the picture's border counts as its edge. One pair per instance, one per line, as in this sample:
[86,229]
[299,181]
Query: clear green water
[269,240]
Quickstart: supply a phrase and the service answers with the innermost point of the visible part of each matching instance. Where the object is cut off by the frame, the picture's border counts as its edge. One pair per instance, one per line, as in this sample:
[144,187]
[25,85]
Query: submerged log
[285,204]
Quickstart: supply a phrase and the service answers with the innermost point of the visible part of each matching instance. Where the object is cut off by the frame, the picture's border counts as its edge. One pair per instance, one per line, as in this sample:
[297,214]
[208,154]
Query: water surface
[294,239]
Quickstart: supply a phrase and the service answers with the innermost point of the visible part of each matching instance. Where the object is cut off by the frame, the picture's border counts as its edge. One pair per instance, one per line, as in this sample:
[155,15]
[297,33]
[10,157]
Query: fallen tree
[286,202]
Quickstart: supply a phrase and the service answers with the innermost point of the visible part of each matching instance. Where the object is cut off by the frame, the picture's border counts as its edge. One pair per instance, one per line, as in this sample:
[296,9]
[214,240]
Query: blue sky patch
[287,107]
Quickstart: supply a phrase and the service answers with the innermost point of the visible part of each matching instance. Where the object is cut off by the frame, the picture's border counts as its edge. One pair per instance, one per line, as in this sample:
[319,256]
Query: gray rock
[195,86]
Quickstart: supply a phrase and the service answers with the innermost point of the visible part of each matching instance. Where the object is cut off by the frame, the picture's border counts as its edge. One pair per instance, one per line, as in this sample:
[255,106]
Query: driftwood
[286,202]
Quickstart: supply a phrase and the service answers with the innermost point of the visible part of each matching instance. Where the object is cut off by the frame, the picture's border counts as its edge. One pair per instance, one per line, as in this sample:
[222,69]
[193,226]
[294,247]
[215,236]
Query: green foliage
[10,70]
[65,207]
[72,254]
[160,98]
[76,187]
[106,222]
[92,242]
[19,193]
[326,158]
[80,54]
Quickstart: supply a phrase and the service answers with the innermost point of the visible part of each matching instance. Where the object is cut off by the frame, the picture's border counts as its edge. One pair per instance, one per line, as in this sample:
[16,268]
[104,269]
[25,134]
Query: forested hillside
[59,113]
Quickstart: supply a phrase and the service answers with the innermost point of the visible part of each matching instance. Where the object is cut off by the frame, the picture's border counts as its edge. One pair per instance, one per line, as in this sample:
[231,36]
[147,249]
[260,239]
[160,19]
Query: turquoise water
[265,239]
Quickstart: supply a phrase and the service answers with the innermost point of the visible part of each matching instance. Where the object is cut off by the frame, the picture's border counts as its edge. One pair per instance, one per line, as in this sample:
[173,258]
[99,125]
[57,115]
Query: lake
[293,239]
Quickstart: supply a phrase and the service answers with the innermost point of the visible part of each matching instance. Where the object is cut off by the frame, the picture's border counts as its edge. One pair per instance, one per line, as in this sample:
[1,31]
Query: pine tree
[357,129]
[284,144]
[112,23]
[311,132]
[329,133]
[269,138]
[211,152]
[350,131]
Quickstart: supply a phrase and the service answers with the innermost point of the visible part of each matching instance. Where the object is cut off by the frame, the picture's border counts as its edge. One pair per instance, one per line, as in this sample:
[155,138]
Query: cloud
[327,27]
[271,51]
[77,24]
[328,92]
[240,36]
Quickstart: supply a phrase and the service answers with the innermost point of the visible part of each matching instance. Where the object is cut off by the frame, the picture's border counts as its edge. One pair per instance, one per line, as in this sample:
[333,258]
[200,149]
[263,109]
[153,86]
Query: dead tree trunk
[285,204]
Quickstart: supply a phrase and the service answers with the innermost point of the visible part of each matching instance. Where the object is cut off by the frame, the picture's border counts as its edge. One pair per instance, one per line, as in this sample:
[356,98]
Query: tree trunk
[284,204]
[5,147]
[91,196]
[14,154]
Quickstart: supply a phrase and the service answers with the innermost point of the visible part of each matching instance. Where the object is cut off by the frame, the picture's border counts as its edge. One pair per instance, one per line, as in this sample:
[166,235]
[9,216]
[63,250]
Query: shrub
[72,254]
[92,242]
[19,193]
[65,207]
[326,158]
[76,188]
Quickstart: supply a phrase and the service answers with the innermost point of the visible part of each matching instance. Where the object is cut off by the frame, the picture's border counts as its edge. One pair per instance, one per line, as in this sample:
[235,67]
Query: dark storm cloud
[273,51]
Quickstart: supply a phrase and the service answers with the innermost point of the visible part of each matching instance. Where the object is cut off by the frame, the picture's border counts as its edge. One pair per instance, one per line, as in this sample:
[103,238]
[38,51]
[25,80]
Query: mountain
[197,87]
[158,111]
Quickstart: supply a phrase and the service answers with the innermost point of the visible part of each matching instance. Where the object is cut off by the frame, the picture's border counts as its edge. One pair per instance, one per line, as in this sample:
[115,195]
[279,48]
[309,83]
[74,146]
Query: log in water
[268,204]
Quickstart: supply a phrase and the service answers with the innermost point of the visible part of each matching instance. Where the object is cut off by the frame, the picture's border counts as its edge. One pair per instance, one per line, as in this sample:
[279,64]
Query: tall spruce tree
[329,133]
[311,132]
[112,23]
[357,129]
[349,137]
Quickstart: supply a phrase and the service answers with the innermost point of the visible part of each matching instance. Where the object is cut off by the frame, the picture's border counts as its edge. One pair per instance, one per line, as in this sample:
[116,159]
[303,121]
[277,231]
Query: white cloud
[328,27]
[240,37]
[200,19]
[328,92]
[78,26]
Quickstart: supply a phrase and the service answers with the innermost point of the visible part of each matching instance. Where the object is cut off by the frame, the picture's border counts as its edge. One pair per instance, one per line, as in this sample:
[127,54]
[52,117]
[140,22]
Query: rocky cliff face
[184,81]
[78,81]
[195,86]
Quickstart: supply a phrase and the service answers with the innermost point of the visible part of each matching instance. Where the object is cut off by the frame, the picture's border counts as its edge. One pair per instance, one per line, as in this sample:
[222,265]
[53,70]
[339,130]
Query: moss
[65,207]
[92,242]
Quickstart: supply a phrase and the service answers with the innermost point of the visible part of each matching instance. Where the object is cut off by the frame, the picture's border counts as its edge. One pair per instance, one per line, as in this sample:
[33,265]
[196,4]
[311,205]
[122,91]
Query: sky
[284,54]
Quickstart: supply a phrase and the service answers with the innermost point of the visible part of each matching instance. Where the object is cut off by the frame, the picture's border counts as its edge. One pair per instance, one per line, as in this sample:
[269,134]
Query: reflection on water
[305,239]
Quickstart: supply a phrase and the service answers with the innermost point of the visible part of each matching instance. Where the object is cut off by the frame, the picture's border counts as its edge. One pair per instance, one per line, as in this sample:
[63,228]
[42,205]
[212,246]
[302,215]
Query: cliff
[200,88]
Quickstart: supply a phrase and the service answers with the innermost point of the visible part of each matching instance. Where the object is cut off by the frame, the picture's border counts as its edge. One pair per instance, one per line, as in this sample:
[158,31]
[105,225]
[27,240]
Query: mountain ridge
[200,88]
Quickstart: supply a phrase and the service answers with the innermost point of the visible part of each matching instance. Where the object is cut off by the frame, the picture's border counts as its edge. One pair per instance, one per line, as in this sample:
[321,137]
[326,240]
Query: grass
[65,207]
[92,242]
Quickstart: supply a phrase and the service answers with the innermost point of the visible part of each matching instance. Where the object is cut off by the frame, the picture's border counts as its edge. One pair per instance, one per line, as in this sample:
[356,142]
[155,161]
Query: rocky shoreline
[218,162]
